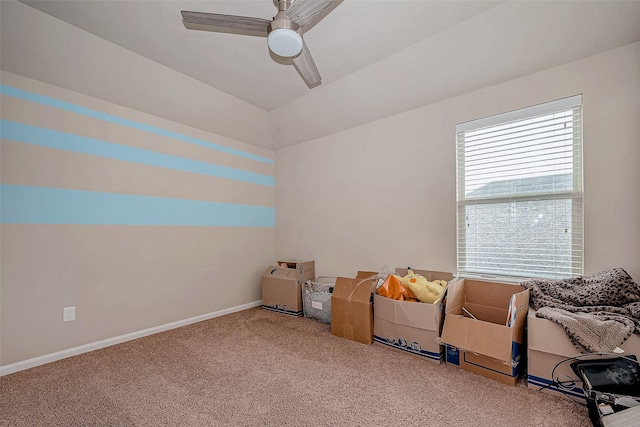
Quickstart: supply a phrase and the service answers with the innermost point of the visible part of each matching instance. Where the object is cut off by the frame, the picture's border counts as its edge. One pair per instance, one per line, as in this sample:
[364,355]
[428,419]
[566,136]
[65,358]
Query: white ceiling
[353,35]
[377,58]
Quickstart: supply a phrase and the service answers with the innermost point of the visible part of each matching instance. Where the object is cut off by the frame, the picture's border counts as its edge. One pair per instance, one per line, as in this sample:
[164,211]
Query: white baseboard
[48,358]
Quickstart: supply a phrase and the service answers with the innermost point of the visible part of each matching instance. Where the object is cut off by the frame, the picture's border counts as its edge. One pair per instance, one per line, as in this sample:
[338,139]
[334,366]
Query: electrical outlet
[68,314]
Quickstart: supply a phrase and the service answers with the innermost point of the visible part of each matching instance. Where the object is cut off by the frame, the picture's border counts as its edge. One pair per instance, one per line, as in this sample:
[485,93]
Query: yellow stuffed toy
[424,290]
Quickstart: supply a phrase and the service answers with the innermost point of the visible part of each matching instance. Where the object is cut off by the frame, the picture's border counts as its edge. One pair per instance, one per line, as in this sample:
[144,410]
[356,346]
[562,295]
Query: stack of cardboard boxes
[482,326]
[479,325]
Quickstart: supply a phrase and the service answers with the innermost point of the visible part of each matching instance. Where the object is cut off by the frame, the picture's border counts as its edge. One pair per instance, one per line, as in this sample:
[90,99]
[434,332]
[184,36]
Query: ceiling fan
[284,32]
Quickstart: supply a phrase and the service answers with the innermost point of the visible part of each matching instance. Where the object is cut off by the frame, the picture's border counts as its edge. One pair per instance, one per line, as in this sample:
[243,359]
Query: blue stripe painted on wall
[63,105]
[41,205]
[66,141]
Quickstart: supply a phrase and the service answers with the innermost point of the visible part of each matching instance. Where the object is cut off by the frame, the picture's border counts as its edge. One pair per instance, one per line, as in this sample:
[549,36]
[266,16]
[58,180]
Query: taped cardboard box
[483,328]
[548,344]
[281,286]
[412,327]
[352,307]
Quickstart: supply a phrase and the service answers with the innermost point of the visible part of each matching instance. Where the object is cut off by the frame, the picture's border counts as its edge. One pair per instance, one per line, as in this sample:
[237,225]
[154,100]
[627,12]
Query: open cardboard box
[490,343]
[281,286]
[352,307]
[413,327]
[549,345]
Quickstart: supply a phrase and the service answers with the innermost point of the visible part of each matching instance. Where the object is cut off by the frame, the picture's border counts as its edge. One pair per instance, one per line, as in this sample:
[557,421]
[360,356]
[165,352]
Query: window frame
[575,195]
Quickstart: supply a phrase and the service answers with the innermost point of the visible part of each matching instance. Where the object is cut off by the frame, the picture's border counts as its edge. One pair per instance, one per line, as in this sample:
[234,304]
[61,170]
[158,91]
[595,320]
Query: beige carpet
[258,368]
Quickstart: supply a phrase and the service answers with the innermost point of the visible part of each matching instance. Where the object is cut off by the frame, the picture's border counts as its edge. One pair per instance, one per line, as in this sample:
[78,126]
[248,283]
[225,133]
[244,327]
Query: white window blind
[519,193]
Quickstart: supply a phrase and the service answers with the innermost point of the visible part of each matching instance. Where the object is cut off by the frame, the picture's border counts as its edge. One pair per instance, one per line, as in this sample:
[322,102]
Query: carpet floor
[259,368]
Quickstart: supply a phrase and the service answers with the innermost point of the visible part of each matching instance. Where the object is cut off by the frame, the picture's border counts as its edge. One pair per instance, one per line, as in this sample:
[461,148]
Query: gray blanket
[598,312]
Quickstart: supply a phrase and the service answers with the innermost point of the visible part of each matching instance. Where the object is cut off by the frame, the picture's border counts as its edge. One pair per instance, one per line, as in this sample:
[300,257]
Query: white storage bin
[316,298]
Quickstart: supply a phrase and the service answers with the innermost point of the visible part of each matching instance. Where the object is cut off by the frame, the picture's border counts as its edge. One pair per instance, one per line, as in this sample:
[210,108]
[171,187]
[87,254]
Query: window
[519,193]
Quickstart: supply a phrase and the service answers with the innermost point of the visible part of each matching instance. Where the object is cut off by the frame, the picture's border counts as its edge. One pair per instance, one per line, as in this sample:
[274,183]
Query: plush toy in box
[413,287]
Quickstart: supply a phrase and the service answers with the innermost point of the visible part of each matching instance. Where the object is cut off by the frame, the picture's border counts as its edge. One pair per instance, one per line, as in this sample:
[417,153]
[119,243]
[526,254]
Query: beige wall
[159,255]
[384,193]
[115,212]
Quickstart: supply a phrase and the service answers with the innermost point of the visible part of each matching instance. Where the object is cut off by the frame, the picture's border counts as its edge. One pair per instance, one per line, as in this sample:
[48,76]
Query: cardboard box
[548,345]
[413,327]
[486,344]
[352,307]
[281,286]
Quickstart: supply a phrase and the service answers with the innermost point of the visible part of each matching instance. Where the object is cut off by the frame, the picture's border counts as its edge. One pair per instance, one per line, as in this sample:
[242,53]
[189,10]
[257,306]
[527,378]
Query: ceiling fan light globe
[284,42]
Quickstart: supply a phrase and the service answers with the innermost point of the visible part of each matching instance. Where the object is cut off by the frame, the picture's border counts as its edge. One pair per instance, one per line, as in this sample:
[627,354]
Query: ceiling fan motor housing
[283,36]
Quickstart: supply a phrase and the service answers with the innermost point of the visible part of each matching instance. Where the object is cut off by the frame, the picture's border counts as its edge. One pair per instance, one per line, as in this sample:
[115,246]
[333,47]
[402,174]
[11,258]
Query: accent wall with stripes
[134,220]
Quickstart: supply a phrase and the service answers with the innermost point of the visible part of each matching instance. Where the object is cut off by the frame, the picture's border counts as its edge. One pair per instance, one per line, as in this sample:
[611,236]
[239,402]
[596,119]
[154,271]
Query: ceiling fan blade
[303,11]
[232,22]
[307,67]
